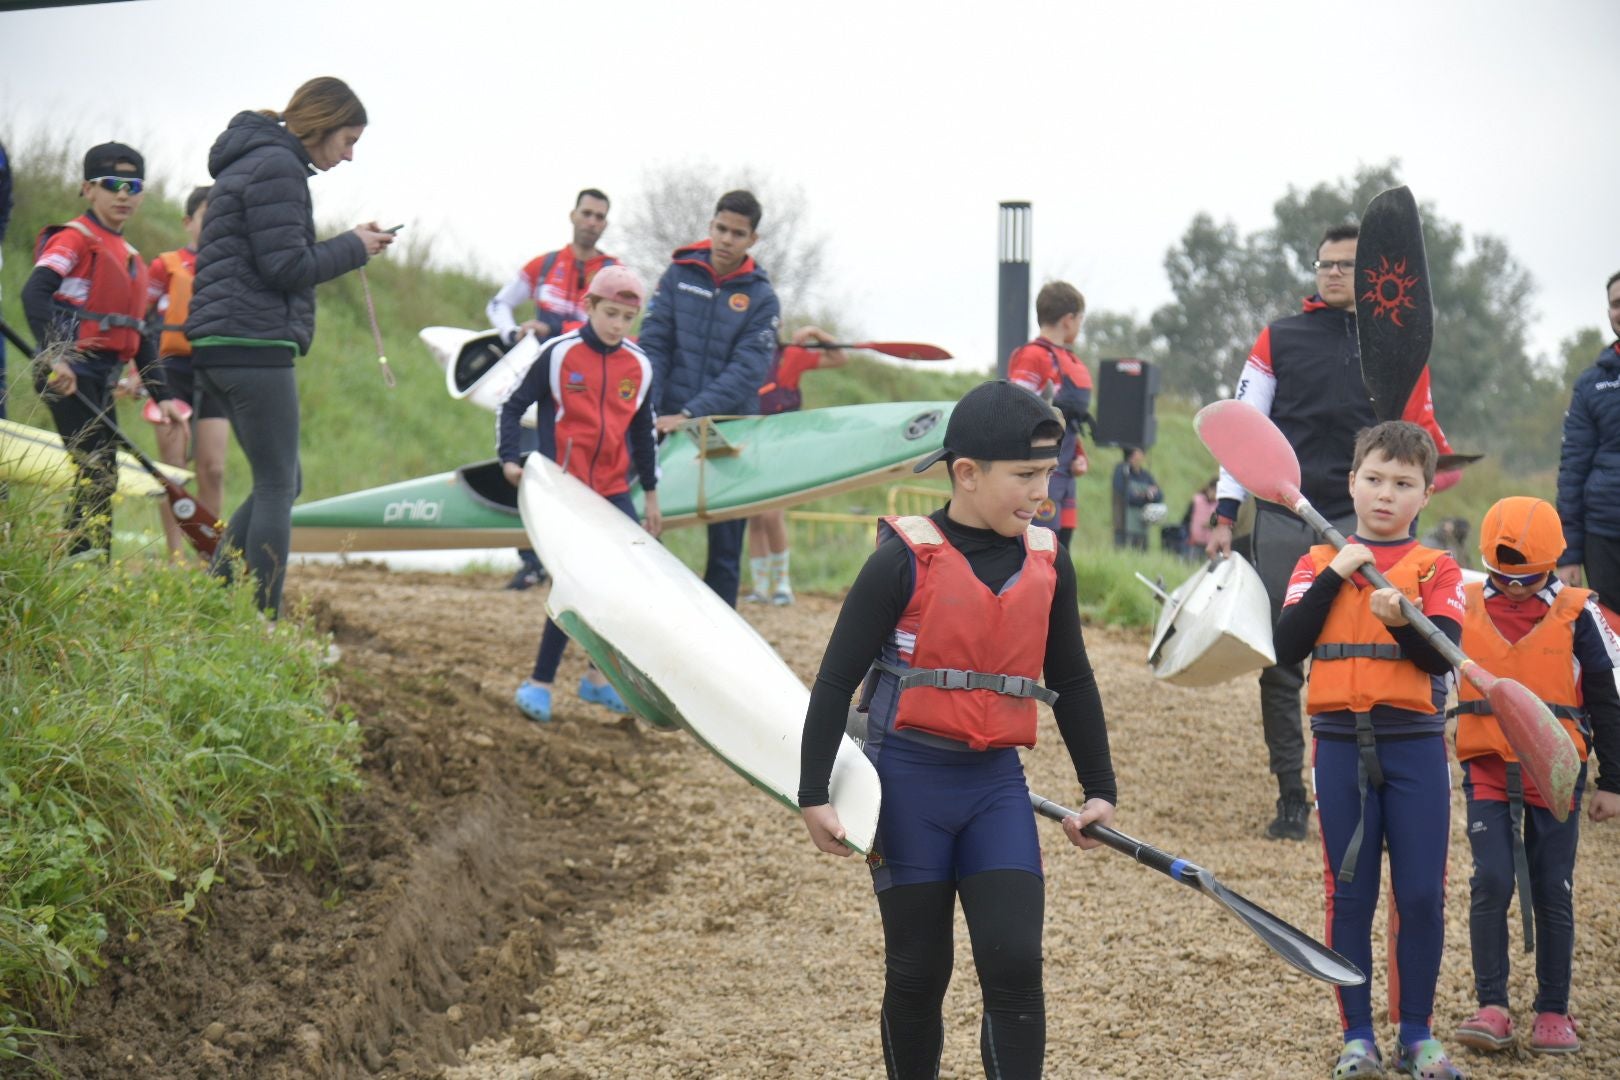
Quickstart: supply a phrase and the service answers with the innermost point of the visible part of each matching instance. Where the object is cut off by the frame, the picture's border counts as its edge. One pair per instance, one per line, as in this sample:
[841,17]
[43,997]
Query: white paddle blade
[1252,448]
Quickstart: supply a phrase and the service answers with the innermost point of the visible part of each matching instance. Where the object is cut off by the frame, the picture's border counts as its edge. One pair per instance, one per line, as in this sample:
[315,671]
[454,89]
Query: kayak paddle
[1394,308]
[1292,944]
[905,350]
[199,524]
[1255,451]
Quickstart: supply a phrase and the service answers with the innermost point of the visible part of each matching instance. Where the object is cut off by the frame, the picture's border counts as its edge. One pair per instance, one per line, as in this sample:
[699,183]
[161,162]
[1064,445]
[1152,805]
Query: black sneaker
[1293,811]
[526,578]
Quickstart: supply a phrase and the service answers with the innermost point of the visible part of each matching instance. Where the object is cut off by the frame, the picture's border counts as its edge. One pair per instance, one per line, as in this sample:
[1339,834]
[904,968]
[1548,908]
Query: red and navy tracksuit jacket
[595,411]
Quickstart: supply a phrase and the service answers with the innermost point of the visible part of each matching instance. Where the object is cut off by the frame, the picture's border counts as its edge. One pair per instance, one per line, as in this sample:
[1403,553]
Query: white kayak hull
[677,653]
[1216,626]
[471,370]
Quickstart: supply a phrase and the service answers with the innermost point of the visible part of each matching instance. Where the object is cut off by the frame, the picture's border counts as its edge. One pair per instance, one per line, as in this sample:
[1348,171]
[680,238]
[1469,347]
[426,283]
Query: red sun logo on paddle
[1389,290]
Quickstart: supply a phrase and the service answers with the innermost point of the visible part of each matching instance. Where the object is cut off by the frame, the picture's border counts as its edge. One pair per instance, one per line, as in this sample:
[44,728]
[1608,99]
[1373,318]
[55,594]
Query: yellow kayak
[31,455]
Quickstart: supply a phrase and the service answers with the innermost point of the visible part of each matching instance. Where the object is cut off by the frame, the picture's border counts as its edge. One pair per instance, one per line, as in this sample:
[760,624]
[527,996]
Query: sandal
[1554,1033]
[1359,1060]
[1427,1060]
[1489,1029]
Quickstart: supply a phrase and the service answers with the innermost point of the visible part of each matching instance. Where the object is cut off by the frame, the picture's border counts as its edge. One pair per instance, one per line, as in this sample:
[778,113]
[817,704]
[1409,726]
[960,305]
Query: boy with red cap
[1377,696]
[951,622]
[593,387]
[1046,367]
[1525,624]
[86,303]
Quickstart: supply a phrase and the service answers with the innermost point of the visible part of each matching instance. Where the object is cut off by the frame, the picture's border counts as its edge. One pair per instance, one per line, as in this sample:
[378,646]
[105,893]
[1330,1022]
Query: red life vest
[958,626]
[112,315]
[182,272]
[1356,663]
[1542,660]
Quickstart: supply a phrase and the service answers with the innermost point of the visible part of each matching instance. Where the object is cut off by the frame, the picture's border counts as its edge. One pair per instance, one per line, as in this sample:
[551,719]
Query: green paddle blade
[1394,308]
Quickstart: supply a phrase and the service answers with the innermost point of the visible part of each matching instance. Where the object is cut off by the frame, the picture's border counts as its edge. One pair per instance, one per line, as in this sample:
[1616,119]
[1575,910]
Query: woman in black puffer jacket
[253,302]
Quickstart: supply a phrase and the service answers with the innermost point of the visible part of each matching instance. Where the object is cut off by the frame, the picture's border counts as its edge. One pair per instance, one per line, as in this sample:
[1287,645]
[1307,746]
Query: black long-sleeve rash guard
[873,609]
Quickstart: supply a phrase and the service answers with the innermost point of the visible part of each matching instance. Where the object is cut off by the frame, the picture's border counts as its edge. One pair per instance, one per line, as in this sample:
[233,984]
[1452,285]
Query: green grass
[152,728]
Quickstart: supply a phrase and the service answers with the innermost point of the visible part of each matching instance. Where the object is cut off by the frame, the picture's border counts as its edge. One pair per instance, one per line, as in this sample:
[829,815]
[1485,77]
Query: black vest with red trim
[111,318]
[954,621]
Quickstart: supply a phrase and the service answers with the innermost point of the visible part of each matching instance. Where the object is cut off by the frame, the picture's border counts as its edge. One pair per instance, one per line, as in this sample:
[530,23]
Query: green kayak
[753,464]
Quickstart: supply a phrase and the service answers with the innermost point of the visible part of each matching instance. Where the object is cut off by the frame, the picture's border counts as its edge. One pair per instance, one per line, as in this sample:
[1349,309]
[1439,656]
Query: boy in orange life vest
[951,621]
[88,293]
[1377,694]
[594,390]
[1523,623]
[209,429]
[1046,367]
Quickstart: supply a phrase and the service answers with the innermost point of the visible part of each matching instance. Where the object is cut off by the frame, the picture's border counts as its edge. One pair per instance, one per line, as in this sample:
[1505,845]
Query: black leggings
[1005,910]
[91,445]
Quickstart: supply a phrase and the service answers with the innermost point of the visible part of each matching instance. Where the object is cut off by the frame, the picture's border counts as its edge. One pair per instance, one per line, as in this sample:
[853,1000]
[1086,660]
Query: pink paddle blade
[1538,740]
[1252,448]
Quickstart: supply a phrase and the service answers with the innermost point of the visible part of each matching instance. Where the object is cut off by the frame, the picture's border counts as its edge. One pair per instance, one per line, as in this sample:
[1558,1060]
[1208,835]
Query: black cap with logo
[997,421]
[104,160]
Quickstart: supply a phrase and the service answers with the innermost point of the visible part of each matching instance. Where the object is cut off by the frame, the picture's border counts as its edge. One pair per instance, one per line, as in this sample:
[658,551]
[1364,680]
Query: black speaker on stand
[1126,390]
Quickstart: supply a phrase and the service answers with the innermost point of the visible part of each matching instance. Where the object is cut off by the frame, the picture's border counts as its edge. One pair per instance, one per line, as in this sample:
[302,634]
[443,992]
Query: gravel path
[764,958]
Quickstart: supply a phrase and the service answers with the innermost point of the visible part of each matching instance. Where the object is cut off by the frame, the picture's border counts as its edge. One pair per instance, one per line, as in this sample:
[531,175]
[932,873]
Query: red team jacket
[102,274]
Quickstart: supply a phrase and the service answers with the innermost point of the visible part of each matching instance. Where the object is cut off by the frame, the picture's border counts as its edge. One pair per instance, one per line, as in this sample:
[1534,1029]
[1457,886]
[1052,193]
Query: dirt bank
[593,899]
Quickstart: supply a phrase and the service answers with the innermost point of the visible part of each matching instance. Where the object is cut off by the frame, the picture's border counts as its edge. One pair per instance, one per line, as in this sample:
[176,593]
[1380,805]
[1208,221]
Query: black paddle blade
[1292,944]
[1394,308]
[1295,946]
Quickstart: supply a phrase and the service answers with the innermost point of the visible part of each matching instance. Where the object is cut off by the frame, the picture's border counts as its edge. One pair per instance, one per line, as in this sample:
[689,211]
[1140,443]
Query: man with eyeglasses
[556,282]
[1305,373]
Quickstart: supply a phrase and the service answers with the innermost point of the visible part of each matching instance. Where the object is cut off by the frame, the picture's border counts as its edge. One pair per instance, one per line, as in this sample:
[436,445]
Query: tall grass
[152,727]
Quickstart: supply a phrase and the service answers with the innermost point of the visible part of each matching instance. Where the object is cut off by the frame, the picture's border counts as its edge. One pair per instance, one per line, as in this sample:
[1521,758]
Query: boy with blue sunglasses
[86,303]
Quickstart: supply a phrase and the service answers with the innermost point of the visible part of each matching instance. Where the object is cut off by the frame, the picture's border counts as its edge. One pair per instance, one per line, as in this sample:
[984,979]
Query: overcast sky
[904,123]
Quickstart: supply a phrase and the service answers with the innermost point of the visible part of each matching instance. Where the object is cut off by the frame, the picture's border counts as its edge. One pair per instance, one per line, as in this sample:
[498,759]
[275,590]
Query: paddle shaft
[1165,863]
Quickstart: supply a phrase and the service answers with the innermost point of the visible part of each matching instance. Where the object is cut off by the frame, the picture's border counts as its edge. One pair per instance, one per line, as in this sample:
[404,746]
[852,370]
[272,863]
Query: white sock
[760,570]
[779,572]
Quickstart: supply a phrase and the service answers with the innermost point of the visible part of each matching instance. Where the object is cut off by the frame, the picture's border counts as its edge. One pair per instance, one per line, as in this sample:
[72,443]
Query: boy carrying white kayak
[951,622]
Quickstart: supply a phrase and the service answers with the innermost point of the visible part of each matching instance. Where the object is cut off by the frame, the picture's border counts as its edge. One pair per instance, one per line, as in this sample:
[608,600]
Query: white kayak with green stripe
[678,654]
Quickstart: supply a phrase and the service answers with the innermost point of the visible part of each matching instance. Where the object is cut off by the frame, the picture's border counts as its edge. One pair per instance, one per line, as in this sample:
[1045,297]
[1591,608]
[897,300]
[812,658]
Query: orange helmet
[1526,525]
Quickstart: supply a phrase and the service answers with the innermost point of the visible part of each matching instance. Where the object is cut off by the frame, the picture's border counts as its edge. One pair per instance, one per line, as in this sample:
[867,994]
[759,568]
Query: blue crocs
[603,695]
[535,702]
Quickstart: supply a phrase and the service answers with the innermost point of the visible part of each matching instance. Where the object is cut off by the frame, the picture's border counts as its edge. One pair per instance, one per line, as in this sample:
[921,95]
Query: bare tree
[673,210]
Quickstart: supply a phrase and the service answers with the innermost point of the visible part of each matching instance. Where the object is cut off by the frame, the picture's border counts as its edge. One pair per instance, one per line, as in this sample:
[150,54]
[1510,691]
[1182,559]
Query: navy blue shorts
[948,814]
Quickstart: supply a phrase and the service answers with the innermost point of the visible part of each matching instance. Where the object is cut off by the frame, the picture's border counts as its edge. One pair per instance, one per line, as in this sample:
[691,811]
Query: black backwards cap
[104,160]
[997,421]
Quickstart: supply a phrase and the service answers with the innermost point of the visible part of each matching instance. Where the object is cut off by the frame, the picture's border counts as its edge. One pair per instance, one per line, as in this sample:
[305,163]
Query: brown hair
[320,107]
[1057,299]
[1399,441]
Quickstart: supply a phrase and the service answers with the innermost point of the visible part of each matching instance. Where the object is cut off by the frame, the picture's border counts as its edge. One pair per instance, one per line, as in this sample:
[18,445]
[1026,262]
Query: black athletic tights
[1005,910]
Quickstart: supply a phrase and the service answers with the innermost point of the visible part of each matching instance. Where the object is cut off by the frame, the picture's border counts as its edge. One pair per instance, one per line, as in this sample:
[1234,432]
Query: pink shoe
[1491,1028]
[1554,1033]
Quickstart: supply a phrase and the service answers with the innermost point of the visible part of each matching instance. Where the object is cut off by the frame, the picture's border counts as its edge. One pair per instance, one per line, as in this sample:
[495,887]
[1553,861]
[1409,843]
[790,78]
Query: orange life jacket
[1543,660]
[174,341]
[1356,663]
[112,317]
[975,656]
